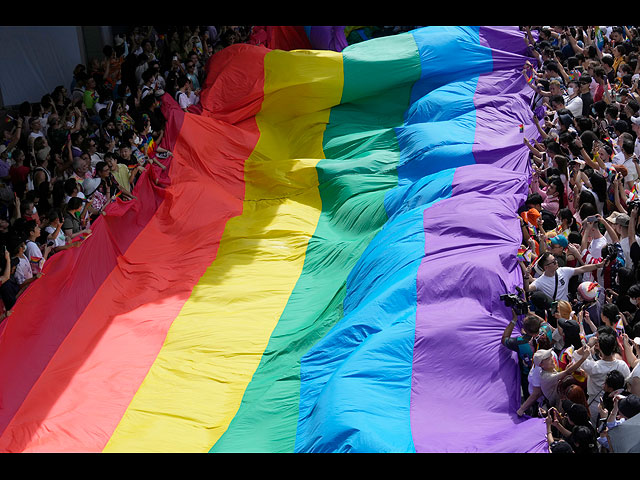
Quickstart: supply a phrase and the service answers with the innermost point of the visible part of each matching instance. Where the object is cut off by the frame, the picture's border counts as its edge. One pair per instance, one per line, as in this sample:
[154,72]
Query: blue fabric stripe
[359,395]
[441,123]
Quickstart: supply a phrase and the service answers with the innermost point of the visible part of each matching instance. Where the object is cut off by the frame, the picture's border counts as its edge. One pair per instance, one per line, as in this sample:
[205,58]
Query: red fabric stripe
[47,311]
[136,304]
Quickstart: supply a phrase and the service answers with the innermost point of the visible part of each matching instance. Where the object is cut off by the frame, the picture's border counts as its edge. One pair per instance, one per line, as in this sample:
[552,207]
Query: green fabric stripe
[361,153]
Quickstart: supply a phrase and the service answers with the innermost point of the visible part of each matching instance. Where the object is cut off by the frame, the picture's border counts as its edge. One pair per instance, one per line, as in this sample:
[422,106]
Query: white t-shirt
[60,239]
[547,285]
[574,105]
[632,173]
[23,270]
[597,372]
[34,255]
[593,254]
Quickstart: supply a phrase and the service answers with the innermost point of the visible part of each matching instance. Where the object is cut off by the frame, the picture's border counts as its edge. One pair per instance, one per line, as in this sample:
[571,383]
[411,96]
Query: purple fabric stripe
[465,384]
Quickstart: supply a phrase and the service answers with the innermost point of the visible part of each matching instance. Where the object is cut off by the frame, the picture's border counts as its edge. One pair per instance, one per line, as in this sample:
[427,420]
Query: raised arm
[612,233]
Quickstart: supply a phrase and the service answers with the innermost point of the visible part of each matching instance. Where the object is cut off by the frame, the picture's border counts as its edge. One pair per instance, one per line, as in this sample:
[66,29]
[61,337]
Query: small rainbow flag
[530,76]
[573,75]
[620,327]
[80,237]
[567,355]
[521,254]
[149,146]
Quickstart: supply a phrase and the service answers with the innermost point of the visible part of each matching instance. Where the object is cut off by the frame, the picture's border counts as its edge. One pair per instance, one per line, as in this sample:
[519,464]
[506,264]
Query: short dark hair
[628,146]
[53,215]
[534,199]
[74,203]
[611,311]
[182,81]
[100,165]
[553,67]
[607,343]
[615,379]
[30,226]
[587,209]
[531,323]
[634,291]
[544,258]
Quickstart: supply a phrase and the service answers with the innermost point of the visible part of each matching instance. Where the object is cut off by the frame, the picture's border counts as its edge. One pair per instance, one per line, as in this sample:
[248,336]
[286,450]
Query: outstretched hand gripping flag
[318,271]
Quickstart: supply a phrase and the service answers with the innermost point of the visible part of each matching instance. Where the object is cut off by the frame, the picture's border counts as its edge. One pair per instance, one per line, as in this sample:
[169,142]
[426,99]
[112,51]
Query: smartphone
[591,219]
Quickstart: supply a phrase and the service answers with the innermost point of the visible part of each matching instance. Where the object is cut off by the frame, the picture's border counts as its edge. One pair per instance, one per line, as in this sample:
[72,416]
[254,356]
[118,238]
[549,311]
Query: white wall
[34,60]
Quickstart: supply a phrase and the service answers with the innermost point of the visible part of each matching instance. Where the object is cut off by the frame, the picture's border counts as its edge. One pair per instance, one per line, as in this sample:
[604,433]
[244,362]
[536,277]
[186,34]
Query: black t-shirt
[587,102]
[8,292]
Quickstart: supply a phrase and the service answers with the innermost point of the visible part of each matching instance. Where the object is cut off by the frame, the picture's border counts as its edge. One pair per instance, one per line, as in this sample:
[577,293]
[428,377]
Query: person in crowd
[554,281]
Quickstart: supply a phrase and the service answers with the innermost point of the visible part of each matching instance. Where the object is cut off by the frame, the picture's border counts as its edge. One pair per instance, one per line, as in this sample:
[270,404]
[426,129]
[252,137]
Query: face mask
[633,301]
[570,91]
[136,140]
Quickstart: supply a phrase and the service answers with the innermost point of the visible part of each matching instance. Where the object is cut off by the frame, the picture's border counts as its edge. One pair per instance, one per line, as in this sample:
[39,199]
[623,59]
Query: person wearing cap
[550,376]
[558,244]
[554,281]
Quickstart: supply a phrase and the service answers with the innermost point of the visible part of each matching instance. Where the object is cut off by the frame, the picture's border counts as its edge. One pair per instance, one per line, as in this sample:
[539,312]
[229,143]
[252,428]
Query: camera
[519,305]
[609,253]
[633,204]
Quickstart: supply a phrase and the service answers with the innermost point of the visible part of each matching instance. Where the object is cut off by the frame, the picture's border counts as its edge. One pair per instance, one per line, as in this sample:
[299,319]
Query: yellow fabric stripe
[214,346]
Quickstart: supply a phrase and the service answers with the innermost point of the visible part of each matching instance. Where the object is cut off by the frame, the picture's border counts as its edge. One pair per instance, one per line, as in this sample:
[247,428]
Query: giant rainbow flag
[318,270]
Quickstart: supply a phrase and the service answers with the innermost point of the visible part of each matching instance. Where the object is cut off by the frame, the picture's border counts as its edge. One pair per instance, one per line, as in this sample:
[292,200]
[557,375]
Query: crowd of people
[578,311]
[86,144]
